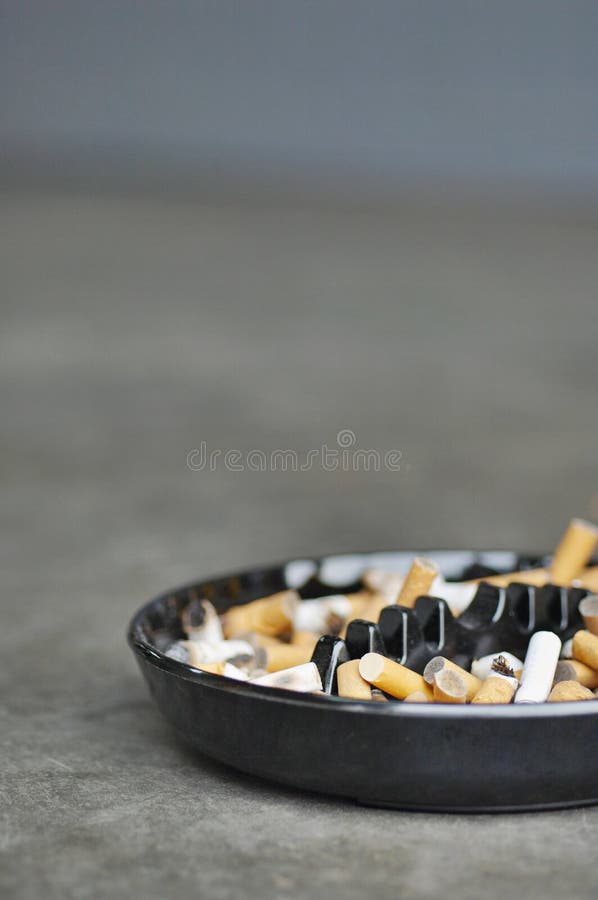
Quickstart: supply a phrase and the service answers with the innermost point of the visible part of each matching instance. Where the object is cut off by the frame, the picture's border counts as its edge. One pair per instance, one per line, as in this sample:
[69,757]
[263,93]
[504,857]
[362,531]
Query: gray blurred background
[254,225]
[396,93]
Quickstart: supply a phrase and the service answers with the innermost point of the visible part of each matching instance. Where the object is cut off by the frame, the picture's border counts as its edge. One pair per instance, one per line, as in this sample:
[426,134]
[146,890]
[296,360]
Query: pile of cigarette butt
[303,645]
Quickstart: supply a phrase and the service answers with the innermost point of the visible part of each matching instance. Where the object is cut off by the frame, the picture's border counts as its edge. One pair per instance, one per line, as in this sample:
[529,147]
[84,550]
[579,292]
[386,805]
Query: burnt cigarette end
[501,666]
[200,620]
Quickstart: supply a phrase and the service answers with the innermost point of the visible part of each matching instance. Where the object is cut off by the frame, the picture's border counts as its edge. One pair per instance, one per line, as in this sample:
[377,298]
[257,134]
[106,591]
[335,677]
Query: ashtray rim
[183,670]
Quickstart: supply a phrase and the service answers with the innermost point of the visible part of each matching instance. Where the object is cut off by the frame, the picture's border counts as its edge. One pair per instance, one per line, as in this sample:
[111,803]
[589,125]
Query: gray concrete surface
[134,328]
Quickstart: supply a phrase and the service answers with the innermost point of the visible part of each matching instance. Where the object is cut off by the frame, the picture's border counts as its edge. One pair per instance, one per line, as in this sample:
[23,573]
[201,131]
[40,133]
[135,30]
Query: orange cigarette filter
[391,677]
[449,687]
[496,690]
[272,616]
[285,656]
[588,609]
[373,607]
[569,690]
[216,668]
[418,581]
[573,670]
[585,648]
[534,577]
[417,697]
[350,682]
[574,551]
[440,664]
[305,638]
[260,640]
[359,602]
[589,579]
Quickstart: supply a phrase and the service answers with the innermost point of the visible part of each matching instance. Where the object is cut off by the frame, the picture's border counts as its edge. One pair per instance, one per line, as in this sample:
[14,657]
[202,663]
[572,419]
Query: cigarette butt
[573,670]
[482,667]
[305,678]
[235,672]
[535,577]
[373,607]
[574,551]
[350,682]
[305,638]
[391,677]
[585,648]
[418,581]
[380,582]
[589,579]
[569,690]
[216,668]
[323,615]
[201,621]
[441,664]
[567,649]
[457,594]
[379,696]
[417,697]
[178,650]
[200,652]
[358,602]
[259,640]
[449,687]
[285,656]
[588,610]
[539,667]
[496,689]
[271,616]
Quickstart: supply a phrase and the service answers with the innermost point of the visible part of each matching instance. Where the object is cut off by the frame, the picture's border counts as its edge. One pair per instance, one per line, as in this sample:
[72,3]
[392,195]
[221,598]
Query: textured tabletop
[136,330]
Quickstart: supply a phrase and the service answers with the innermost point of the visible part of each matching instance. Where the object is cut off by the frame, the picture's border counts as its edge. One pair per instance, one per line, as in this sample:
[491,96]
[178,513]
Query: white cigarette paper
[210,629]
[204,652]
[231,671]
[482,667]
[302,678]
[313,615]
[567,649]
[539,668]
[388,584]
[457,595]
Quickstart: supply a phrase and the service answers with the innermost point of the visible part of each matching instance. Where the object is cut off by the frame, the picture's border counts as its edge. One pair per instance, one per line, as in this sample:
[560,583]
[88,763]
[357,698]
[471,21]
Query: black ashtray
[410,756]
